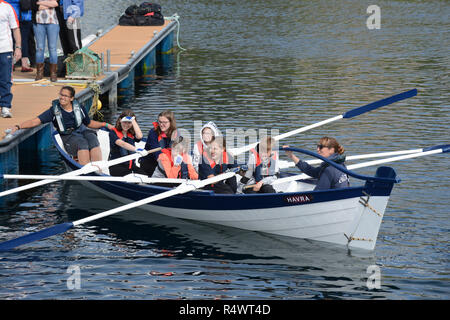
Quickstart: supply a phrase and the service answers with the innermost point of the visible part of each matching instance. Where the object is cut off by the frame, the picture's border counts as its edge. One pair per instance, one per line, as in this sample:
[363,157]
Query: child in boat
[217,160]
[328,176]
[175,162]
[263,168]
[207,134]
[122,143]
[162,134]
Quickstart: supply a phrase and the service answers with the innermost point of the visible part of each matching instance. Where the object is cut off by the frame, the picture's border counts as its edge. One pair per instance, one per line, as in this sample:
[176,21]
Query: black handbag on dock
[146,14]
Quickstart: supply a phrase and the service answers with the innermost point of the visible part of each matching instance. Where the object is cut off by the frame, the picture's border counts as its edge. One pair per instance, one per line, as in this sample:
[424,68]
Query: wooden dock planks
[30,99]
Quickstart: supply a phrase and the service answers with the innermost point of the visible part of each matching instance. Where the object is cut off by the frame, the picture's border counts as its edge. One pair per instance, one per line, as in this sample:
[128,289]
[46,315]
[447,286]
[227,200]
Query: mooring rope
[176,17]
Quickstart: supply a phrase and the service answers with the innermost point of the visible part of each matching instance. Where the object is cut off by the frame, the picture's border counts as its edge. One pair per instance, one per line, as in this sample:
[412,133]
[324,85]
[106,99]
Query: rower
[122,141]
[162,134]
[328,176]
[216,160]
[175,162]
[263,168]
[207,134]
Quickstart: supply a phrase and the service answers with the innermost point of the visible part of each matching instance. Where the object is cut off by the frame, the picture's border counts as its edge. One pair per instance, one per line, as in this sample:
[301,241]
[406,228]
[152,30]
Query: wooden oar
[425,152]
[290,164]
[347,115]
[88,168]
[63,227]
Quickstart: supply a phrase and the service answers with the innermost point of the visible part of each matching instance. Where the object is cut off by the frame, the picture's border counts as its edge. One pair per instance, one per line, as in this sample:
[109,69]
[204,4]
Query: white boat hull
[344,222]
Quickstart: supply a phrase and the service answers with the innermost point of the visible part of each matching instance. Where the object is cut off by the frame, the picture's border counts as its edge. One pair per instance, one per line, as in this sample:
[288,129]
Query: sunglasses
[321,146]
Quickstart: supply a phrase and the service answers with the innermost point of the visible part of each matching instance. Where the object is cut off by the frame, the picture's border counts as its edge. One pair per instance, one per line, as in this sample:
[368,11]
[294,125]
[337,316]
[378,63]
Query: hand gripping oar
[63,227]
[425,152]
[347,115]
[88,168]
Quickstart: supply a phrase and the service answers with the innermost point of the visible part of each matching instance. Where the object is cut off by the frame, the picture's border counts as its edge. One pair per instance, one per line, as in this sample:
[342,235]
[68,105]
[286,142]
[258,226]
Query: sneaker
[6,112]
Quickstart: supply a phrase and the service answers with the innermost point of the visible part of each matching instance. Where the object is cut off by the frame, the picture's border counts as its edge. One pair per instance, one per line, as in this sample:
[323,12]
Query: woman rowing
[122,141]
[328,176]
[72,122]
[162,134]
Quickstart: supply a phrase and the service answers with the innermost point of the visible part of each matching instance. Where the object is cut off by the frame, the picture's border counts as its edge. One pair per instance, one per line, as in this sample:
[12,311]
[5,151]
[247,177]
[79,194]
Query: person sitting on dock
[72,122]
[207,134]
[328,176]
[215,161]
[122,140]
[162,134]
[175,162]
[263,168]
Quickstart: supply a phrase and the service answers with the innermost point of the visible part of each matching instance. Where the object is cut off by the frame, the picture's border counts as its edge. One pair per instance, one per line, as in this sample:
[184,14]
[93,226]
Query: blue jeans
[51,33]
[6,60]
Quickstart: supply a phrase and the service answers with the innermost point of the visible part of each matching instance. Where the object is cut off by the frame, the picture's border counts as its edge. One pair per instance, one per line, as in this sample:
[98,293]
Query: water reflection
[264,65]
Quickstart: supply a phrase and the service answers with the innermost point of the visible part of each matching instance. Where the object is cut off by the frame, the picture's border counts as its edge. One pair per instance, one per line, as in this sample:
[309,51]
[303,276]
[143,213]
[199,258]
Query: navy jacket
[328,176]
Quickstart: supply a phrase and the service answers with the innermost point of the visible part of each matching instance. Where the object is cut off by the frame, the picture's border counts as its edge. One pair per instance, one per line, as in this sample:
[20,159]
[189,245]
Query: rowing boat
[348,216]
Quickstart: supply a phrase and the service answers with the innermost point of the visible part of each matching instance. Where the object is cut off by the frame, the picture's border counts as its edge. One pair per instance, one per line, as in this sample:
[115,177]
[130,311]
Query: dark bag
[150,7]
[150,19]
[134,10]
[25,5]
[127,20]
[146,14]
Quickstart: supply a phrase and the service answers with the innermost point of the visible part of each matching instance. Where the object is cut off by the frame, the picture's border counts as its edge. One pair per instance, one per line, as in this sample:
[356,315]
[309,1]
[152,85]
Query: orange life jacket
[168,153]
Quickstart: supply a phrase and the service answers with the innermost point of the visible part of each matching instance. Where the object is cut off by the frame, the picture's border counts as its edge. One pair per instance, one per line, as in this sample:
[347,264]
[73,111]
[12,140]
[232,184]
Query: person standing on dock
[73,123]
[69,15]
[46,27]
[23,12]
[8,22]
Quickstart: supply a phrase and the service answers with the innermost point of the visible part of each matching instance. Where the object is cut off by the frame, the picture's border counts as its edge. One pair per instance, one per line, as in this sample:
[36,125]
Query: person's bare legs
[96,154]
[83,157]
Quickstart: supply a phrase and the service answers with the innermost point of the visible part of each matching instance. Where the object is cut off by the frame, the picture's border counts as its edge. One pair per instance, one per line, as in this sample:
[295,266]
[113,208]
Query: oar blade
[445,148]
[35,236]
[380,103]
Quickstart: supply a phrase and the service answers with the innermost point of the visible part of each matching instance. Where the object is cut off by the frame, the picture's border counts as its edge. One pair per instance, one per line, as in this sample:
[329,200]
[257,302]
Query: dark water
[273,65]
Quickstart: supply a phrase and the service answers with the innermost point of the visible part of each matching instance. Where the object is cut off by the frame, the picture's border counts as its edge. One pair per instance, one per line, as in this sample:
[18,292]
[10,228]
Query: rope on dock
[96,103]
[176,18]
[46,82]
